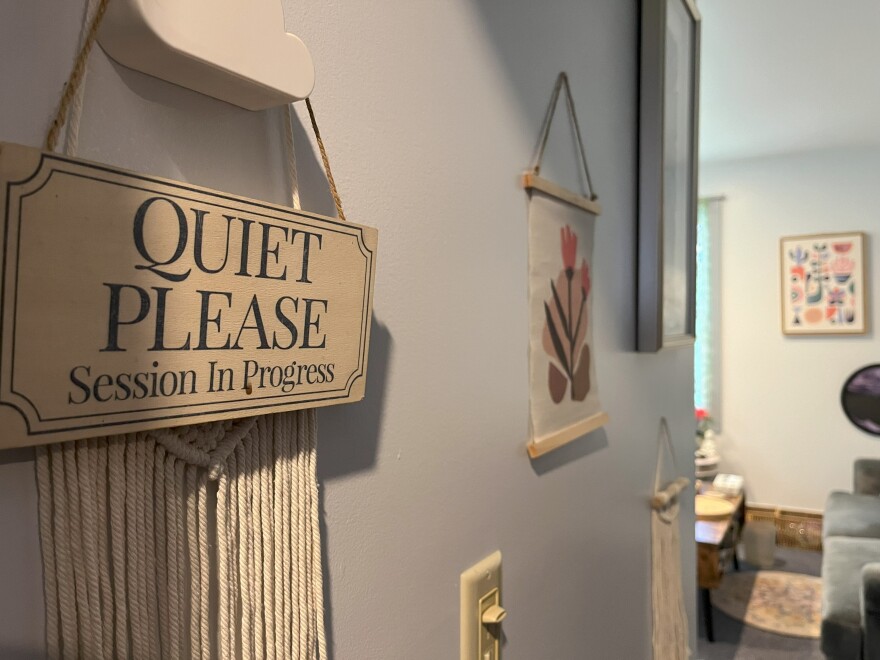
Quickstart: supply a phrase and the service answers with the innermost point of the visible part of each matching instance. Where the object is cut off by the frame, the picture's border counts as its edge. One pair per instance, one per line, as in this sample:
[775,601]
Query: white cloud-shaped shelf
[234,50]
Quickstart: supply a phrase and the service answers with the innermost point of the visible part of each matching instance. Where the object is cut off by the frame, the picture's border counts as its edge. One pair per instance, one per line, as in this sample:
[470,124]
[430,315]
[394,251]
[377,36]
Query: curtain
[706,360]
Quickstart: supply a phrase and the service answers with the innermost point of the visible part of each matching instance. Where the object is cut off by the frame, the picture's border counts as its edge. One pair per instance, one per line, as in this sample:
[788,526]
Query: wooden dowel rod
[664,497]
[531,180]
[546,443]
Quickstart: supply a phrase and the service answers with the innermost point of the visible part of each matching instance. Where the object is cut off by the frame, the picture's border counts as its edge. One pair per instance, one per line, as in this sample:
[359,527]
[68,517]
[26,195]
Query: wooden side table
[716,542]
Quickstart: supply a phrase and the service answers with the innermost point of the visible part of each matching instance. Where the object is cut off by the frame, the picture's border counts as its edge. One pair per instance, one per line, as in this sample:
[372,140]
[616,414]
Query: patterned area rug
[783,603]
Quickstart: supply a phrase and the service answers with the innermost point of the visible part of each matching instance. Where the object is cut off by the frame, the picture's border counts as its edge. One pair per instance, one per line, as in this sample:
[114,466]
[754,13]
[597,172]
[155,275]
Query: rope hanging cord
[563,86]
[76,77]
[665,501]
[333,191]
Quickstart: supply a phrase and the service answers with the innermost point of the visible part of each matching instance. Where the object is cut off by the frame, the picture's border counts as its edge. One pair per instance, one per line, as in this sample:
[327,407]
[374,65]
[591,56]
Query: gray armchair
[851,568]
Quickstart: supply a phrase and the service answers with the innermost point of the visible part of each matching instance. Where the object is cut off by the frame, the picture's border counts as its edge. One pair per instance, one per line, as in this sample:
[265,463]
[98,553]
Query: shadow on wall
[20,653]
[348,442]
[16,455]
[349,435]
[583,446]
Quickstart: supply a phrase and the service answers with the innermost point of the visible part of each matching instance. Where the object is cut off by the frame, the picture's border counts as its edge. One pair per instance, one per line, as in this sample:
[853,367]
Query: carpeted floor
[736,641]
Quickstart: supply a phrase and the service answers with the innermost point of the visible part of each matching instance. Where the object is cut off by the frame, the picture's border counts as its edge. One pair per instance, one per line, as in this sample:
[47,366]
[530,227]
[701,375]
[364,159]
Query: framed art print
[824,289]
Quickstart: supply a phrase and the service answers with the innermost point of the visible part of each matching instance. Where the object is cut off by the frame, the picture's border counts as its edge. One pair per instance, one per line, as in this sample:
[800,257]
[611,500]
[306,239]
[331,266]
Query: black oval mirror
[860,399]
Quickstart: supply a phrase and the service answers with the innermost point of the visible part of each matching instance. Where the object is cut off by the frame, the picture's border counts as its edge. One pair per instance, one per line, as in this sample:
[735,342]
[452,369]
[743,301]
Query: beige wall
[430,111]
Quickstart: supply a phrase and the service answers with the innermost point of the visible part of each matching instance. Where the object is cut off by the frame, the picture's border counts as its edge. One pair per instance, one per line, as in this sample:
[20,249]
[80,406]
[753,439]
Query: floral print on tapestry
[566,328]
[563,391]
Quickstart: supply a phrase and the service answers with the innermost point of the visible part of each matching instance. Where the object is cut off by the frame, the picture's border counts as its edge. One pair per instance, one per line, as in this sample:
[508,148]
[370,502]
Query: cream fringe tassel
[670,637]
[147,554]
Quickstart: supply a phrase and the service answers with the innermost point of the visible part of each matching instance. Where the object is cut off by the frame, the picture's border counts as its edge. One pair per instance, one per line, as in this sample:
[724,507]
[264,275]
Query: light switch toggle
[481,610]
[493,614]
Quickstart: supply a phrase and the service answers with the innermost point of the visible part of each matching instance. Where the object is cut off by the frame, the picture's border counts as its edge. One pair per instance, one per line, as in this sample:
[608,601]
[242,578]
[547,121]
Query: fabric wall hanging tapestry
[563,392]
[824,290]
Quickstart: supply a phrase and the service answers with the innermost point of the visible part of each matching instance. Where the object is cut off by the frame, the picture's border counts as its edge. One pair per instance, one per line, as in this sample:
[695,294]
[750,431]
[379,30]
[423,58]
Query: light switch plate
[480,590]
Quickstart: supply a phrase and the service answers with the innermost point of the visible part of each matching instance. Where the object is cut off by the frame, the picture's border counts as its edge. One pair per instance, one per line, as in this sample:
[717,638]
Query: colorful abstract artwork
[564,394]
[860,399]
[823,284]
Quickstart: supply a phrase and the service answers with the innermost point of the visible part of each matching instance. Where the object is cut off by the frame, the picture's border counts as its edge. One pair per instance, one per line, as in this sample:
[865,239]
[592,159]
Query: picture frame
[668,150]
[823,284]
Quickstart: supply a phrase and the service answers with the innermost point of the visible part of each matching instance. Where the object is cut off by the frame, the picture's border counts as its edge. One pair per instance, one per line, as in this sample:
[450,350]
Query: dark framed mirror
[668,126]
[860,398]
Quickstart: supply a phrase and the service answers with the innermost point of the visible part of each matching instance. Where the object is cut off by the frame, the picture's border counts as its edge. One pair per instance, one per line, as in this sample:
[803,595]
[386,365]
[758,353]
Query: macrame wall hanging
[563,392]
[670,636]
[192,542]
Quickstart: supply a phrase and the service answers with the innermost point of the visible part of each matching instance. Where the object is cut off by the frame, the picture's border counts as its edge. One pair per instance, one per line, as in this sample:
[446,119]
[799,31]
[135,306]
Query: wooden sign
[130,302]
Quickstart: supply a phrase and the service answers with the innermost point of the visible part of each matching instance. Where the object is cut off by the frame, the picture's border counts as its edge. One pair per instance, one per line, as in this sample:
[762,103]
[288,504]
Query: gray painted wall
[430,111]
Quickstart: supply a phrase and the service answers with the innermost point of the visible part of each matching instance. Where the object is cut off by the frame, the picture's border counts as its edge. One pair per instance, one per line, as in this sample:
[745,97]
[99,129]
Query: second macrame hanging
[669,620]
[198,541]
